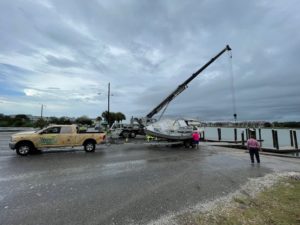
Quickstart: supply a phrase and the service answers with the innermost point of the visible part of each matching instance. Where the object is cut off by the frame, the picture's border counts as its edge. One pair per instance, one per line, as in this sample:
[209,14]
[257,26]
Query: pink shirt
[252,143]
[196,136]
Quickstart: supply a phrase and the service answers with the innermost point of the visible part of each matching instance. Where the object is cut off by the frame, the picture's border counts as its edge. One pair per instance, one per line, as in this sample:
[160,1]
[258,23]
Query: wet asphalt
[124,183]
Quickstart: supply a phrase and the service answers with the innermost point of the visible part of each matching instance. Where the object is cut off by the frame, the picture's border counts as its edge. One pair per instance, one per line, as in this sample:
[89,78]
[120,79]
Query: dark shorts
[254,152]
[195,142]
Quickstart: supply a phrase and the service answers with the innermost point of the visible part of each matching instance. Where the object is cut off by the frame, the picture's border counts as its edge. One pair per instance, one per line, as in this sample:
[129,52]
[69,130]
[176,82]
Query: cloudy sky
[63,54]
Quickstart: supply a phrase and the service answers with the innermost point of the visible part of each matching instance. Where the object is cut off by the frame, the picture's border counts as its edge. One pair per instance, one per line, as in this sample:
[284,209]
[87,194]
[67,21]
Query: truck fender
[89,140]
[25,142]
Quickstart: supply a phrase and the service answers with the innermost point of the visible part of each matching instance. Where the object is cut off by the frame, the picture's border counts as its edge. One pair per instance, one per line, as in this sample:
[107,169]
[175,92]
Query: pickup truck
[54,136]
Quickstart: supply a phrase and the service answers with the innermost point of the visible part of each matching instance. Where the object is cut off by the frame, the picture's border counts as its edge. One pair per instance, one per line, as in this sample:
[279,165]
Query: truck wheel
[89,146]
[23,149]
[125,134]
[133,135]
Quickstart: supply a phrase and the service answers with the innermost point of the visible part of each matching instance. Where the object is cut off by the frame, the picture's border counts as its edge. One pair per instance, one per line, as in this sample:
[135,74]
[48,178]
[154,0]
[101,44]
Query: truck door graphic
[49,137]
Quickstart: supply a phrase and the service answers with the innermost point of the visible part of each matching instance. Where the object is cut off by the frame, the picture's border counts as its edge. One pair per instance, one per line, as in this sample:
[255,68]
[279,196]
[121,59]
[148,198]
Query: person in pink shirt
[253,146]
[196,138]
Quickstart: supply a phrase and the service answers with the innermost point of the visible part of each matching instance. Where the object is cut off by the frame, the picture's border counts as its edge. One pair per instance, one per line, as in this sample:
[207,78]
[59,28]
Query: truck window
[52,130]
[66,130]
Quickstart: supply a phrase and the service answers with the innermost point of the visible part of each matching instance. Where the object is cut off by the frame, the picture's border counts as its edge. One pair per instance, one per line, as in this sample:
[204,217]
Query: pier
[290,146]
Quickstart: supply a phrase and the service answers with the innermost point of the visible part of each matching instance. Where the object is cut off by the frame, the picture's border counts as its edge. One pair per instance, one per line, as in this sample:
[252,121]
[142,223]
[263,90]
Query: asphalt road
[130,183]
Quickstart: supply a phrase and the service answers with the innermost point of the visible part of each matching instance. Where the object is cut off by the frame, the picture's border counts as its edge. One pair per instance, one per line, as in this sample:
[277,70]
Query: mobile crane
[130,132]
[167,130]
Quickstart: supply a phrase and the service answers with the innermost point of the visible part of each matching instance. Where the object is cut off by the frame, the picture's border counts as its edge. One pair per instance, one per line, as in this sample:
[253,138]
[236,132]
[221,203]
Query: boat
[170,129]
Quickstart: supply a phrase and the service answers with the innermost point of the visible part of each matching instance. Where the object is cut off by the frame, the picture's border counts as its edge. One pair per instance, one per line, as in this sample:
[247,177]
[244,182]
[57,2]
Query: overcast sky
[63,54]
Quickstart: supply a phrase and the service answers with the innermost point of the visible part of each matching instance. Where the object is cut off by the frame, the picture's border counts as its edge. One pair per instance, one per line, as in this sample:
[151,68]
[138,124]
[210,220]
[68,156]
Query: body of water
[211,133]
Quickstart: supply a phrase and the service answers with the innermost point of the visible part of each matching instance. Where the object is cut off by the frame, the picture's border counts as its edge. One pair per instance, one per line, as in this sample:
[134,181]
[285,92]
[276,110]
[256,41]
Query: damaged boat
[170,129]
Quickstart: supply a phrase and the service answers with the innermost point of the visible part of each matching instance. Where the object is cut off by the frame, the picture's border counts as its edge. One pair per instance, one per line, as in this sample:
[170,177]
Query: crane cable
[232,91]
[162,113]
[232,87]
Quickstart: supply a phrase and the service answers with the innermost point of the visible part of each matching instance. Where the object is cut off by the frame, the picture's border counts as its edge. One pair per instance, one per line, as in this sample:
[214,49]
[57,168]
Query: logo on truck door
[48,140]
[49,136]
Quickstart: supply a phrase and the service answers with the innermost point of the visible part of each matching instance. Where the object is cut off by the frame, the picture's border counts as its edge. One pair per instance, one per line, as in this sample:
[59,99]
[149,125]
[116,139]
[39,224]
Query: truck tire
[23,149]
[133,135]
[89,146]
[125,134]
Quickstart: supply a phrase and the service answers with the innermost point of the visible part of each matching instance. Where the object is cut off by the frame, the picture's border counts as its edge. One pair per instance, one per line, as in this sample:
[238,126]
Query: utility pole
[42,107]
[108,96]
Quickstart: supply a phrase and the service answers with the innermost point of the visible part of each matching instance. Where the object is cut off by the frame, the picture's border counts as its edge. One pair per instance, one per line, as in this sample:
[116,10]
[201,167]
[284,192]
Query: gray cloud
[145,49]
[61,62]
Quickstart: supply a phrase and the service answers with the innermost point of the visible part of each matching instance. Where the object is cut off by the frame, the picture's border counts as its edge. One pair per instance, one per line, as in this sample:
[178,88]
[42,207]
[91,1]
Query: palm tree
[105,115]
[84,120]
[120,116]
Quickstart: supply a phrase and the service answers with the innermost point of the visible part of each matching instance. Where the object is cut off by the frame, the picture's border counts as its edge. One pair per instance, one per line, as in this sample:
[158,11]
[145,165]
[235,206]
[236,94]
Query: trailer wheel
[188,144]
[133,135]
[23,149]
[89,146]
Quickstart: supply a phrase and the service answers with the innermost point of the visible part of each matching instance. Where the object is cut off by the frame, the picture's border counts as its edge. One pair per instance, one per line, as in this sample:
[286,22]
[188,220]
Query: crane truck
[129,131]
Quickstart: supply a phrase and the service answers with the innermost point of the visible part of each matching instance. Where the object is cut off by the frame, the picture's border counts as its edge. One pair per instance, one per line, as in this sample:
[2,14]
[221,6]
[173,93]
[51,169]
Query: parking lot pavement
[129,183]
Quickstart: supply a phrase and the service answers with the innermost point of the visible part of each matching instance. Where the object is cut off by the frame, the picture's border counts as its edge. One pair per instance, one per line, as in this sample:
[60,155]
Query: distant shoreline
[15,129]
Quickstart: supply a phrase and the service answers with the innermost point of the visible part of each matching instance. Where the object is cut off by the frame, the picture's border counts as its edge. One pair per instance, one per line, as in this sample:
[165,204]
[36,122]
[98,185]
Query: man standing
[253,147]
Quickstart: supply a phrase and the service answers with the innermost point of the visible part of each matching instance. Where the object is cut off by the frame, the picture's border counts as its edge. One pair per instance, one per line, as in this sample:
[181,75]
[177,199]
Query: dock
[282,151]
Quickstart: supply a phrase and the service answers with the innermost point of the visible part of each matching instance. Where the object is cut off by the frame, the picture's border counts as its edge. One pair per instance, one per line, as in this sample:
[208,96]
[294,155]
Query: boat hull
[182,137]
[170,129]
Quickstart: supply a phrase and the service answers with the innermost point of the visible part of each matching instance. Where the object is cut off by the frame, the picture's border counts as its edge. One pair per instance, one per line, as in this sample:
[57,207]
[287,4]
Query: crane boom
[183,86]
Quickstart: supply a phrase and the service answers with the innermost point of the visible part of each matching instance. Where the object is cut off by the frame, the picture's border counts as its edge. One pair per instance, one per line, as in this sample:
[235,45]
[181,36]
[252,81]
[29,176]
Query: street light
[108,103]
[42,110]
[108,99]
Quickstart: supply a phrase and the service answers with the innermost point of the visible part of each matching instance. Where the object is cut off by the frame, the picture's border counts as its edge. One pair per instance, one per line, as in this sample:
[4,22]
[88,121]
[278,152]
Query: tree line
[22,120]
[291,124]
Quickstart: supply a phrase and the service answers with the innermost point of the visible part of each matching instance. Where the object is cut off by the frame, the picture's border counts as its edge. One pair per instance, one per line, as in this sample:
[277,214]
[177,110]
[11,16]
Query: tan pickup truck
[53,137]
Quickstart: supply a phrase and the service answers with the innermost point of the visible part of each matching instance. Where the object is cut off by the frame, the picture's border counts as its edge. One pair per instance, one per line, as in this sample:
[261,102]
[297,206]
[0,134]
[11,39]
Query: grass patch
[279,204]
